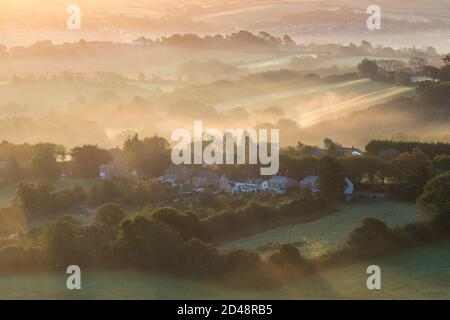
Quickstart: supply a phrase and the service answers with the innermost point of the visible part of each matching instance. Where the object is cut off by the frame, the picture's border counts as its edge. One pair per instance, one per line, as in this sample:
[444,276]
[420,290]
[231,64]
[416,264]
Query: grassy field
[276,63]
[421,273]
[262,11]
[352,61]
[347,105]
[310,105]
[320,235]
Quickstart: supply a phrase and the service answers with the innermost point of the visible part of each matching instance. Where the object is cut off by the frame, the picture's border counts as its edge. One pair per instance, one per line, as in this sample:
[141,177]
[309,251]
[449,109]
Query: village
[193,179]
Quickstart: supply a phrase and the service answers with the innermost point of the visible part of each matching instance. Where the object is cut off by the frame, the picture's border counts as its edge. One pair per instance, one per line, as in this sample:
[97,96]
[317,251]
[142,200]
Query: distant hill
[399,118]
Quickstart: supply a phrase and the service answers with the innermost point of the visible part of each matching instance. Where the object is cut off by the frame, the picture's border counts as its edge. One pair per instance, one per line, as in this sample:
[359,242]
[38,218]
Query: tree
[331,146]
[446,59]
[39,199]
[431,71]
[402,78]
[142,193]
[63,240]
[434,93]
[331,179]
[44,165]
[368,68]
[372,238]
[435,199]
[441,163]
[409,172]
[288,255]
[366,45]
[412,167]
[306,199]
[150,156]
[362,168]
[104,192]
[109,216]
[185,224]
[36,196]
[444,73]
[87,159]
[287,41]
[146,242]
[201,258]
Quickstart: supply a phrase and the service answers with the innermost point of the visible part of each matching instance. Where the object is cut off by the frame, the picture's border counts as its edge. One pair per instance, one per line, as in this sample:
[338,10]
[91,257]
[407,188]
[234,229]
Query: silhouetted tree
[331,179]
[87,159]
[44,165]
[368,68]
[435,199]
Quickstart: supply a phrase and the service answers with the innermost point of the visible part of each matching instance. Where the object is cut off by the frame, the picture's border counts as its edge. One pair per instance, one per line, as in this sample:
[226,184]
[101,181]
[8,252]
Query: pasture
[315,237]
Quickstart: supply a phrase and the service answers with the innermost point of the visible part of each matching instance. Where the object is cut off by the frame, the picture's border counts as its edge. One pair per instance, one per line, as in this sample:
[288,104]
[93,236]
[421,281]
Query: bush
[435,199]
[185,224]
[109,216]
[201,259]
[148,243]
[63,240]
[287,255]
[39,199]
[372,238]
[441,163]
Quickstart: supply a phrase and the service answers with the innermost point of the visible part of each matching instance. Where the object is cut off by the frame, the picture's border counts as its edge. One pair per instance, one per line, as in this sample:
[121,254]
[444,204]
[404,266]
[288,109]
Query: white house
[278,184]
[313,183]
[245,187]
[266,186]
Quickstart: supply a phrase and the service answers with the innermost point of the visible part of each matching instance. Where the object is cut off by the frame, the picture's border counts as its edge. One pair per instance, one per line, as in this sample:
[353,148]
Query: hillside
[398,118]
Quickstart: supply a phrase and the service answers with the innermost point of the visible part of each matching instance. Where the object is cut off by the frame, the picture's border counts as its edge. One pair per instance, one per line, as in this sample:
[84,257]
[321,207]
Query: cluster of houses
[193,179]
[197,179]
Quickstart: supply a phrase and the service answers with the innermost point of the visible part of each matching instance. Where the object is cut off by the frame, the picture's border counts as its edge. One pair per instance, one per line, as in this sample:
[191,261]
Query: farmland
[310,105]
[315,237]
[421,273]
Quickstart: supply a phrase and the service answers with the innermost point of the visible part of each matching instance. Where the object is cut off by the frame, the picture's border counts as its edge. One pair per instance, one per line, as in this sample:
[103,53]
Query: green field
[331,231]
[283,62]
[421,273]
[352,61]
